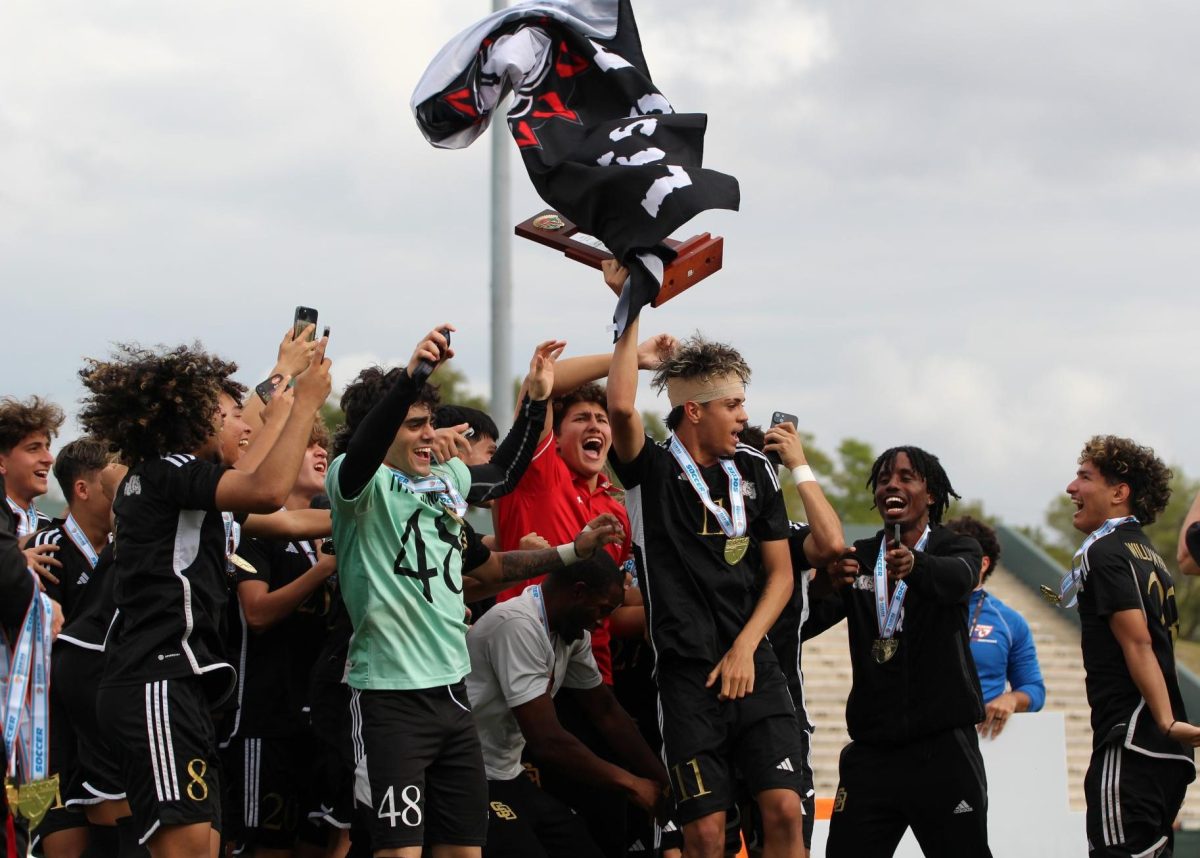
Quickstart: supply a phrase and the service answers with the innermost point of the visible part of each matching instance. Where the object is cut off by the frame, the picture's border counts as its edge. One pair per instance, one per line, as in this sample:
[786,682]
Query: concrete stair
[826,664]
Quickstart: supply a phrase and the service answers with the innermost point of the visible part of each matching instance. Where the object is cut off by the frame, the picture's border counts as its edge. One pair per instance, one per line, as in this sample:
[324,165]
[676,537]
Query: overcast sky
[969,226]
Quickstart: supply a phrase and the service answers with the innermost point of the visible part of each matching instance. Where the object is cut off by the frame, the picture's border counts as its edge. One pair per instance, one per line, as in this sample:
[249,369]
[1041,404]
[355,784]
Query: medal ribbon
[535,593]
[1069,586]
[75,532]
[26,715]
[447,494]
[27,519]
[888,615]
[233,537]
[731,527]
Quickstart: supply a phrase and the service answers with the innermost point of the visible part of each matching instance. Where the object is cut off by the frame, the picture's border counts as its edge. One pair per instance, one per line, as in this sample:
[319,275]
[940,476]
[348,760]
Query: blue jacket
[1003,649]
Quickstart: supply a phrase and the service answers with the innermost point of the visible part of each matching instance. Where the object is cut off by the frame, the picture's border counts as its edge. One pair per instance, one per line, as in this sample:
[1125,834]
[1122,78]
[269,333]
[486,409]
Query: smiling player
[915,700]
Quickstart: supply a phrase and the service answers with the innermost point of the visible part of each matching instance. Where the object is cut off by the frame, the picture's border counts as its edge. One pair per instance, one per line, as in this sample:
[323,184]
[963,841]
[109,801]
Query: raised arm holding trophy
[602,145]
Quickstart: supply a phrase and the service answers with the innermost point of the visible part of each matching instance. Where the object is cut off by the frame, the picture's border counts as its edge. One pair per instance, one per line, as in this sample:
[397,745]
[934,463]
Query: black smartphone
[266,388]
[426,368]
[325,334]
[304,317]
[777,418]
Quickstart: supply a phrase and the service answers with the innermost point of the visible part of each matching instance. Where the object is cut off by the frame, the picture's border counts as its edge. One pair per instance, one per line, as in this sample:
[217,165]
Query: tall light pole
[501,270]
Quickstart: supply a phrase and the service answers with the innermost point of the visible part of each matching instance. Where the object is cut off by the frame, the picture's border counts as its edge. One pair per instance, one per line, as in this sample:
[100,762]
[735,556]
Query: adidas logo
[637,846]
[786,766]
[963,807]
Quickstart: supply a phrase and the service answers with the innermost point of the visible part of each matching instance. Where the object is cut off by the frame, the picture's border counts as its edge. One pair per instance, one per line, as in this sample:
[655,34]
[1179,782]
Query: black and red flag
[602,145]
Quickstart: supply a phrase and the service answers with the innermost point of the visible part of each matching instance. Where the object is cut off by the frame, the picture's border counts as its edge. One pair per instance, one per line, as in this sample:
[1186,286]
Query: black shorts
[270,781]
[751,828]
[77,680]
[64,761]
[332,800]
[166,746]
[1132,801]
[935,785]
[526,822]
[710,743]
[423,768]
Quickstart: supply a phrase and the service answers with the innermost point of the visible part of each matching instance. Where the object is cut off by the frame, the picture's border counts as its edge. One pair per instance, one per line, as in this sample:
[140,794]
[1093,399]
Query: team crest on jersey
[839,801]
[133,486]
[748,490]
[982,632]
[503,811]
[865,582]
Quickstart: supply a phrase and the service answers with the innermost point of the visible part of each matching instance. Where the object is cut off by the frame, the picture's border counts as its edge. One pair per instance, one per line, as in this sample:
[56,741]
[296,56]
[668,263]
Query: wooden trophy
[698,256]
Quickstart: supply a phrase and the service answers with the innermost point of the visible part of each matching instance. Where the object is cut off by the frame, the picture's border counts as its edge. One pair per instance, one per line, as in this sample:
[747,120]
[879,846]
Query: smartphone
[425,369]
[777,418]
[304,317]
[325,335]
[266,388]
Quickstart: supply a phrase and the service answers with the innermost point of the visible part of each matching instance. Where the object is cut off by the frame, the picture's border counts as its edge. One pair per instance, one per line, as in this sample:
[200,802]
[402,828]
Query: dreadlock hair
[983,534]
[82,458]
[479,421]
[361,395]
[1122,460]
[146,403]
[929,469]
[592,393]
[697,357]
[19,419]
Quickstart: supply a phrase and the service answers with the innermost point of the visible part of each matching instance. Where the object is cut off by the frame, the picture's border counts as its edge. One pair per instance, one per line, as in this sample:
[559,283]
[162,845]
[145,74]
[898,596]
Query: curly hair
[697,357]
[982,533]
[19,419]
[592,393]
[146,402]
[930,470]
[364,393]
[235,390]
[1122,460]
[83,457]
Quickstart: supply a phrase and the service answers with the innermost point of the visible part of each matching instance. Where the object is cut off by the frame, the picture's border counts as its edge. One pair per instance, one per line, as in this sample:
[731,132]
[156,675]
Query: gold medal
[883,649]
[243,564]
[735,549]
[1050,596]
[34,799]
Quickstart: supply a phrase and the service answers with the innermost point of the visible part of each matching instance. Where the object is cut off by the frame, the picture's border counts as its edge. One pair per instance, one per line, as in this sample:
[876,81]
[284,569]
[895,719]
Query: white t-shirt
[514,659]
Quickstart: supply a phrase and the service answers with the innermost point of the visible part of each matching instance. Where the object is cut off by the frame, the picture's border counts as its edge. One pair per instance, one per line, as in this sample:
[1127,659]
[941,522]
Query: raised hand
[451,442]
[655,350]
[615,274]
[600,531]
[433,347]
[313,385]
[295,354]
[540,381]
[783,439]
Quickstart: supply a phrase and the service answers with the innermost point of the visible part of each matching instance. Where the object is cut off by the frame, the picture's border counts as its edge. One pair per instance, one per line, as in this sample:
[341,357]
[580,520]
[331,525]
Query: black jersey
[930,684]
[696,602]
[274,666]
[171,549]
[785,634]
[76,573]
[95,609]
[1123,572]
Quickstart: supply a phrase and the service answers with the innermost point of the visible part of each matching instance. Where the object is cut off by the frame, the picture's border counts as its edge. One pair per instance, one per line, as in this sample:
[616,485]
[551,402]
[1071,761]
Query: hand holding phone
[777,418]
[304,323]
[425,367]
[266,388]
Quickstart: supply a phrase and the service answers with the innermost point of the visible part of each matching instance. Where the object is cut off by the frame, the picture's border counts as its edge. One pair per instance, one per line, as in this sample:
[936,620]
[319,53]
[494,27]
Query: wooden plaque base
[699,256]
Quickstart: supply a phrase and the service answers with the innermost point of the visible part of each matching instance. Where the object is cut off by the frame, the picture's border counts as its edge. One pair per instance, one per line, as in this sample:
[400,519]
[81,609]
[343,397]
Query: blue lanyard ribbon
[1073,580]
[888,614]
[27,519]
[447,495]
[730,526]
[76,534]
[25,693]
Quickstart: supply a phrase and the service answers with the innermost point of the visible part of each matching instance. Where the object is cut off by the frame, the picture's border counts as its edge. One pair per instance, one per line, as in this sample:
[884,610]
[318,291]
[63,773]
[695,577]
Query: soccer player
[544,633]
[284,597]
[399,533]
[81,540]
[915,700]
[1142,757]
[813,545]
[166,667]
[26,431]
[1001,643]
[710,535]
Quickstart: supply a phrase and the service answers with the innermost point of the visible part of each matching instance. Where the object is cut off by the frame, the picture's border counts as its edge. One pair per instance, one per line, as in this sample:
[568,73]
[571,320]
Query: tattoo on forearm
[520,565]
